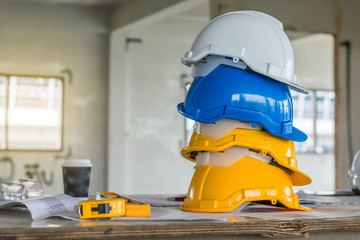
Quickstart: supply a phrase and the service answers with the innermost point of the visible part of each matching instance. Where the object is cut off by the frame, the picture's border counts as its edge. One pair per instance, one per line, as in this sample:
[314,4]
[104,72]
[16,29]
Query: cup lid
[77,163]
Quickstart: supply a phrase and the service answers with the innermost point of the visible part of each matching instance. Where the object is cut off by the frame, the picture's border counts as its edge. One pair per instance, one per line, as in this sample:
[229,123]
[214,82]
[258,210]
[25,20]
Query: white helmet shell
[256,39]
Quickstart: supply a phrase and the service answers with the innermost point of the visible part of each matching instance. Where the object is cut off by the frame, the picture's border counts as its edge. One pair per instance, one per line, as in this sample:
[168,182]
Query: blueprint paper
[45,207]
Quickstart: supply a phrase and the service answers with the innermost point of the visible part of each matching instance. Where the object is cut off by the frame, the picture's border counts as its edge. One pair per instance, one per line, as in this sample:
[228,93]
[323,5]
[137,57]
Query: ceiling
[72,2]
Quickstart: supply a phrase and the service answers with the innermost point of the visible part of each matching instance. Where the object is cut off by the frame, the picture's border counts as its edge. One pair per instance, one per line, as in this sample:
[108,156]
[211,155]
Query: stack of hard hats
[243,66]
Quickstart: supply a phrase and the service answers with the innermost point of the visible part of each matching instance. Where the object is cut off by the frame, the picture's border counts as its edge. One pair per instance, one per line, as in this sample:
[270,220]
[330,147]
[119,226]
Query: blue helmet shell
[229,92]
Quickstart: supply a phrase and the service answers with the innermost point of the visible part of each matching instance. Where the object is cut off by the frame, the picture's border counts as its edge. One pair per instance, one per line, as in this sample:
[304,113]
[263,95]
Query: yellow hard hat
[223,189]
[281,150]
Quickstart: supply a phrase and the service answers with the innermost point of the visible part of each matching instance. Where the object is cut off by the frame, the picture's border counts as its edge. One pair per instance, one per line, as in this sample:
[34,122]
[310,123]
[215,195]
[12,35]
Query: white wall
[45,39]
[320,168]
[145,130]
[314,58]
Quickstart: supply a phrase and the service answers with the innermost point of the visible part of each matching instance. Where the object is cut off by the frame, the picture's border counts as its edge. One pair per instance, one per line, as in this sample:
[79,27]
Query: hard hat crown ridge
[255,38]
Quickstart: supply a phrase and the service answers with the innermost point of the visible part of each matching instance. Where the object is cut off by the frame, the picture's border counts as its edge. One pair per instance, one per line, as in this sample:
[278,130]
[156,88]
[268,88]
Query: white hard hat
[244,39]
[353,175]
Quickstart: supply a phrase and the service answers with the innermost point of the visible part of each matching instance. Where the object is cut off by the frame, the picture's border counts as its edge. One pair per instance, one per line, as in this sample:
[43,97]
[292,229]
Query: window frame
[8,76]
[312,93]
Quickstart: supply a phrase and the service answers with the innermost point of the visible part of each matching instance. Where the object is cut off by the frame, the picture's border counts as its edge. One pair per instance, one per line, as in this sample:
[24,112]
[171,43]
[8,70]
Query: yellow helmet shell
[223,189]
[281,149]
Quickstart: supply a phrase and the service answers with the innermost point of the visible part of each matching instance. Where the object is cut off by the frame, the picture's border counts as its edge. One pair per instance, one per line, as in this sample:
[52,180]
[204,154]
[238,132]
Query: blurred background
[100,79]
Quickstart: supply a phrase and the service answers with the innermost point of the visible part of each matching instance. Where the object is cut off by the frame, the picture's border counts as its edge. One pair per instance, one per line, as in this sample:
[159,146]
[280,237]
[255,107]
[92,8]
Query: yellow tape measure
[112,207]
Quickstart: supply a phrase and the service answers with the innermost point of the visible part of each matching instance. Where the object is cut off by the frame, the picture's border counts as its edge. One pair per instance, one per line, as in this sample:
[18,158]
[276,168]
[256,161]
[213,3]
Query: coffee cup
[76,176]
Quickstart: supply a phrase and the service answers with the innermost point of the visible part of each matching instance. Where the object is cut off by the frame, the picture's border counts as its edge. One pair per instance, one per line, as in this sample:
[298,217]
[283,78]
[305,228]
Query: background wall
[45,39]
[146,84]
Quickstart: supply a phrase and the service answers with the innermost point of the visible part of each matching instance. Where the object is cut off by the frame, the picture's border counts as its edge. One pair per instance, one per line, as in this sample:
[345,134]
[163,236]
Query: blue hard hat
[229,92]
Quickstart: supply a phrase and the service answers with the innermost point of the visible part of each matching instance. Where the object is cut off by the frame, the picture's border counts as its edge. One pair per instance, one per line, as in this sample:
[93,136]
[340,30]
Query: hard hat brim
[223,189]
[296,134]
[293,86]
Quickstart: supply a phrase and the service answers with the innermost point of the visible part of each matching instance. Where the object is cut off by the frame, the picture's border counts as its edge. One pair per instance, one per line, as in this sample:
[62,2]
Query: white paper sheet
[330,200]
[320,212]
[45,207]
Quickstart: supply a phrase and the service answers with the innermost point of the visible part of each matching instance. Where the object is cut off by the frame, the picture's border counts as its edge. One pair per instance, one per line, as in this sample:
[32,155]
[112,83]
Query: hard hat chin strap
[275,164]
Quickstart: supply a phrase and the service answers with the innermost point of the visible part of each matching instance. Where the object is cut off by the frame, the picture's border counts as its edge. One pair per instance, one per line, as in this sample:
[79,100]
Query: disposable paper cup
[76,175]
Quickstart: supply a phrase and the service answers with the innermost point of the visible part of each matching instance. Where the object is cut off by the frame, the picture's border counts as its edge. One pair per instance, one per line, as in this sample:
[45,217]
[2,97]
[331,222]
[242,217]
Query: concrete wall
[336,17]
[314,59]
[46,39]
[146,132]
[131,11]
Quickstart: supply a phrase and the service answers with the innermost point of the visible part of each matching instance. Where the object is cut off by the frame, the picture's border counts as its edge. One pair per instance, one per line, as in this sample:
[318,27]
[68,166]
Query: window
[314,114]
[320,126]
[31,113]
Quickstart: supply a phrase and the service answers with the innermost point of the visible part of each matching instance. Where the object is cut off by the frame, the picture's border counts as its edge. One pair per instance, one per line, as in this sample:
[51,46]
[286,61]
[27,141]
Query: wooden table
[17,224]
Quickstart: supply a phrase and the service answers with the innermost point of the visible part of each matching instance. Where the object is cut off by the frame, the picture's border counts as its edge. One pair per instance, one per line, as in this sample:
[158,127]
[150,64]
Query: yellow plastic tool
[223,189]
[116,195]
[281,149]
[115,205]
[137,210]
[101,208]
[109,194]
